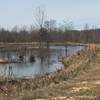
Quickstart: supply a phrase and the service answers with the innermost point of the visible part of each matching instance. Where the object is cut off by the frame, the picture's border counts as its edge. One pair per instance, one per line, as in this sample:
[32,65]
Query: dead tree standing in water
[43,37]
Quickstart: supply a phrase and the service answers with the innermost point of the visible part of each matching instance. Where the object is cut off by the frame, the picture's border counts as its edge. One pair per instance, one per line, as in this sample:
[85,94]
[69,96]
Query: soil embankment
[79,80]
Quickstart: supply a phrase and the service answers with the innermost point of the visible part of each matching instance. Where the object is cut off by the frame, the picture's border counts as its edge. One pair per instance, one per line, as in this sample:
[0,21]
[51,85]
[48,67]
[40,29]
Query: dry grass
[79,80]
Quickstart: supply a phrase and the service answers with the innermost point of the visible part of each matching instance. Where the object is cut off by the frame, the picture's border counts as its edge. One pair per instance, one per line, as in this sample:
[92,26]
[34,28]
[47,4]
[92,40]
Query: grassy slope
[79,81]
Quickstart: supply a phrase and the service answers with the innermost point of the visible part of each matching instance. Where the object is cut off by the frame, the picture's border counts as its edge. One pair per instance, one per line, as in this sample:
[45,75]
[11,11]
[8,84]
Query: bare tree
[40,19]
[86,31]
[50,25]
[68,26]
[47,25]
[86,27]
[15,29]
[40,16]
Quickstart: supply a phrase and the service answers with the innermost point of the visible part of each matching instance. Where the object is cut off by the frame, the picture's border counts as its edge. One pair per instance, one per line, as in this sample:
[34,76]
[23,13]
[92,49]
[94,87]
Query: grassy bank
[79,80]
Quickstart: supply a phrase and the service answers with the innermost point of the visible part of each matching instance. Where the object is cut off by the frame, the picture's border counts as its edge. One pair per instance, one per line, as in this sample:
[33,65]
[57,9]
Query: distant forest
[84,36]
[49,31]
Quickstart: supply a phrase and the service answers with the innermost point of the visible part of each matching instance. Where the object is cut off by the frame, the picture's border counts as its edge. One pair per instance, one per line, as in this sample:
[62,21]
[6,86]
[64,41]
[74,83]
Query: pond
[26,68]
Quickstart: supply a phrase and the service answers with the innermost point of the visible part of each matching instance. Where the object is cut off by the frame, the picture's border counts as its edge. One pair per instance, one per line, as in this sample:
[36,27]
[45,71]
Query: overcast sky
[21,12]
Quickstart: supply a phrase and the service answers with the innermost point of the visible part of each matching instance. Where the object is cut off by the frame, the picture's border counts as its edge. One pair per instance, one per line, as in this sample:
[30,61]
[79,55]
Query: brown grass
[70,83]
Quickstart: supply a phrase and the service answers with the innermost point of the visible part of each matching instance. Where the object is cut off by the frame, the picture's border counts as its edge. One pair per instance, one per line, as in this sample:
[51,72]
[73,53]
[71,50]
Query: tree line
[48,30]
[53,34]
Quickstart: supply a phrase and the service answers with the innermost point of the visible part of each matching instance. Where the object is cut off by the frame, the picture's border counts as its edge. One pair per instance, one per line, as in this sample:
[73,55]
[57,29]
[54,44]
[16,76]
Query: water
[27,69]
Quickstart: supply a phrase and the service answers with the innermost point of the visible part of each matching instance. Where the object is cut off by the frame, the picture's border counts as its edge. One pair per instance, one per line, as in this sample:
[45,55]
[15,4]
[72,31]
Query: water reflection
[26,68]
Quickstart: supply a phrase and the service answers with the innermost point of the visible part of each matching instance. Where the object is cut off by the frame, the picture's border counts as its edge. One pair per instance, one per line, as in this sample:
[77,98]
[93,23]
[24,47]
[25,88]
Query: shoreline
[35,85]
[68,57]
[68,63]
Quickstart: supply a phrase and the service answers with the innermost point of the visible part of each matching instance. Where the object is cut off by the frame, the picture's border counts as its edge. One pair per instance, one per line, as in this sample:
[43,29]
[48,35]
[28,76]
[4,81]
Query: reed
[73,65]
